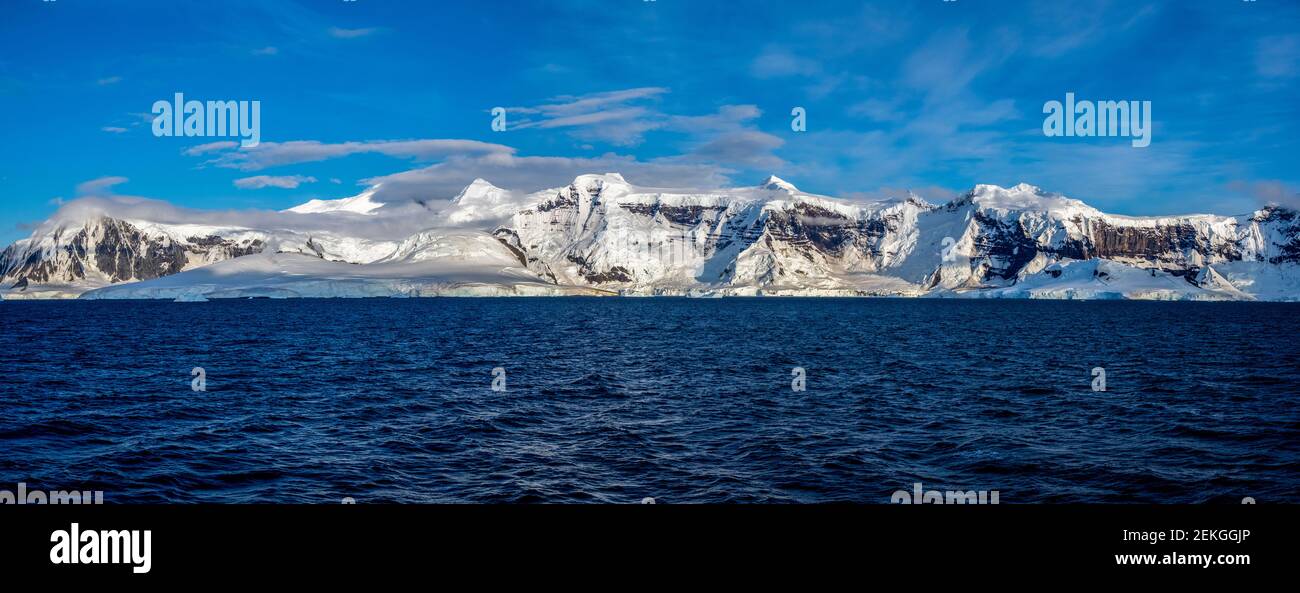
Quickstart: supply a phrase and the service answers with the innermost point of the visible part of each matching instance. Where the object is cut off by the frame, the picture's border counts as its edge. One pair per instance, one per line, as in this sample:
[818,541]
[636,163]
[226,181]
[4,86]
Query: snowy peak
[608,185]
[480,201]
[1024,197]
[777,184]
[1020,194]
[358,204]
[479,190]
[606,178]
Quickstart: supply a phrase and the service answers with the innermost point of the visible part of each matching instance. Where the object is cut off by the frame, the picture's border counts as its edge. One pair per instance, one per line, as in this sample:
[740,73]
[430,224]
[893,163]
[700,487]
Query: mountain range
[602,235]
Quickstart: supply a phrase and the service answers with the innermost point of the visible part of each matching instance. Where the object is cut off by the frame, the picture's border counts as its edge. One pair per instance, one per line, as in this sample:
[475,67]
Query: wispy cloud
[1061,28]
[341,33]
[879,110]
[283,182]
[1268,192]
[777,62]
[945,64]
[1278,56]
[113,129]
[109,80]
[620,117]
[746,148]
[210,147]
[273,154]
[728,137]
[726,119]
[99,186]
[269,50]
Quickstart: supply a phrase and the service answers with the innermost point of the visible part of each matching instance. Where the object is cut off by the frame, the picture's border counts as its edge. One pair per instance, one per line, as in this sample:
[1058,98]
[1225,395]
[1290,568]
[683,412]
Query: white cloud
[109,80]
[113,129]
[531,173]
[284,182]
[269,50]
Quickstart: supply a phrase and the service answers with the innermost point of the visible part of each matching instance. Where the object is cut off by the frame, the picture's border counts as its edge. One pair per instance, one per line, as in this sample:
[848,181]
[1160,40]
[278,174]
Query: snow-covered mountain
[770,238]
[604,235]
[65,258]
[775,239]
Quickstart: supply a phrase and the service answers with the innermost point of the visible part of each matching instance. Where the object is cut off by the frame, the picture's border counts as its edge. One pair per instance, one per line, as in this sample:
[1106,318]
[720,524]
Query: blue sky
[923,94]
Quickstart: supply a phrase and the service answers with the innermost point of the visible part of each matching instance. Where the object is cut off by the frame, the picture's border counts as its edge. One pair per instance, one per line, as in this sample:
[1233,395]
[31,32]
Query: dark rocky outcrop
[117,250]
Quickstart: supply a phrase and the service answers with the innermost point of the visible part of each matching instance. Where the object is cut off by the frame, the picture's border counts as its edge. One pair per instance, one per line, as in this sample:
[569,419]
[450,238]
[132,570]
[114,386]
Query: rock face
[1017,231]
[601,232]
[108,250]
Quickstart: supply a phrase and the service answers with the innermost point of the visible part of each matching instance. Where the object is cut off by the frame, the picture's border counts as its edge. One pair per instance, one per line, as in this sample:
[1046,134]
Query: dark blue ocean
[618,399]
